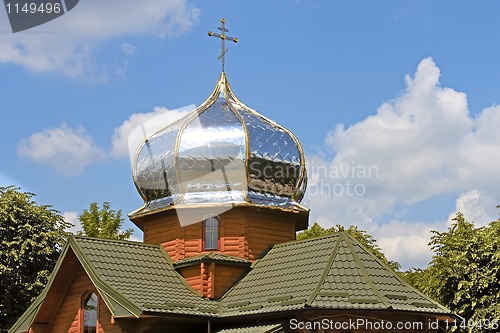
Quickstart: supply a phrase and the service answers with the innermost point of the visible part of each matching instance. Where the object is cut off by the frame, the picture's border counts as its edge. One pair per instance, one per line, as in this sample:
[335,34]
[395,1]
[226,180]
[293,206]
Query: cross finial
[223,38]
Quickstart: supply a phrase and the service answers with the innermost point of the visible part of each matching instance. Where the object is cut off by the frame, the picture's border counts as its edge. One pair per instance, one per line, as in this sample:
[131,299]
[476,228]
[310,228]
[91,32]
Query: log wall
[69,315]
[244,232]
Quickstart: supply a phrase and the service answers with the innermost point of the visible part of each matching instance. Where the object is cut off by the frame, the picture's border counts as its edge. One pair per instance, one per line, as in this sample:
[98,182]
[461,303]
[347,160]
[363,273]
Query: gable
[58,307]
[132,279]
[137,279]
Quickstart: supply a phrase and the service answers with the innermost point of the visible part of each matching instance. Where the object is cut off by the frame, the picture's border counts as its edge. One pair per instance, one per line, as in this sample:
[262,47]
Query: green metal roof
[140,274]
[331,272]
[132,278]
[274,328]
[212,256]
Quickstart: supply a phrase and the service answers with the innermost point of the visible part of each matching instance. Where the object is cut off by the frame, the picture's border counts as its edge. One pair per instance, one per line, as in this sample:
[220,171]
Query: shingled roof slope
[332,272]
[132,278]
[142,274]
[273,328]
[212,256]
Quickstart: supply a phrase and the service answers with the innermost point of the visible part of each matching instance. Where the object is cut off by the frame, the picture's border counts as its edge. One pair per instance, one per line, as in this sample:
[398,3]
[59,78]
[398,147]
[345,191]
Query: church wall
[232,239]
[164,325]
[211,279]
[244,232]
[179,242]
[225,277]
[264,230]
[193,276]
[208,279]
[67,318]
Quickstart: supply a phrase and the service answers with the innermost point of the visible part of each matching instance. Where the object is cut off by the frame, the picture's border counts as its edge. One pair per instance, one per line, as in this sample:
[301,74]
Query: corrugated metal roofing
[141,273]
[330,272]
[212,256]
[274,328]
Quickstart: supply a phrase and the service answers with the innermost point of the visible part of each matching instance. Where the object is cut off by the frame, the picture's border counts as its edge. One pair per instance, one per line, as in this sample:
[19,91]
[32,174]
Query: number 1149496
[32,8]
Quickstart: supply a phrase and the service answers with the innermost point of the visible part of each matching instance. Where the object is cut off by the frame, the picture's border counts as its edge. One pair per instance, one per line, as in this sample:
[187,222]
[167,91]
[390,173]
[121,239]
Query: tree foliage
[464,274]
[31,237]
[103,222]
[360,235]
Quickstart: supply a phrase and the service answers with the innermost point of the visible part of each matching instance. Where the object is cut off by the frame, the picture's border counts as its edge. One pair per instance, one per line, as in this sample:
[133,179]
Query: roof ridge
[211,253]
[116,295]
[362,268]
[110,240]
[398,277]
[90,271]
[315,238]
[212,256]
[32,311]
[325,272]
[181,278]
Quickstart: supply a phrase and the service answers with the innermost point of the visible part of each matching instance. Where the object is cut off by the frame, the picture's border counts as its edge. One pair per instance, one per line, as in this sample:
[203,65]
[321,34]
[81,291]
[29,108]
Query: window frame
[83,302]
[206,231]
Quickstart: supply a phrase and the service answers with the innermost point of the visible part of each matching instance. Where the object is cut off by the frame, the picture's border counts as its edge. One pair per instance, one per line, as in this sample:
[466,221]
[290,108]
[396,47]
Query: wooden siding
[211,279]
[192,274]
[244,232]
[68,316]
[225,277]
[264,230]
[207,275]
[200,277]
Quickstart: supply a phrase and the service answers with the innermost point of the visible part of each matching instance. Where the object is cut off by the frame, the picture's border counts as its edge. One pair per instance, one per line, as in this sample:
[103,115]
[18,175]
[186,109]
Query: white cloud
[68,43]
[67,150]
[406,242]
[132,131]
[70,150]
[476,206]
[422,144]
[72,217]
[134,238]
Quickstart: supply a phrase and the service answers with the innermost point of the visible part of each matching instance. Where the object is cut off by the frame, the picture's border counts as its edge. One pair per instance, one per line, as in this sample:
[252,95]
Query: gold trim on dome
[236,107]
[187,118]
[295,208]
[303,176]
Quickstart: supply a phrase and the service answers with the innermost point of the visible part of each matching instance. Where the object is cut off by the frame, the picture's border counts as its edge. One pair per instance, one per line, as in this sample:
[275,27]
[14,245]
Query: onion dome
[223,152]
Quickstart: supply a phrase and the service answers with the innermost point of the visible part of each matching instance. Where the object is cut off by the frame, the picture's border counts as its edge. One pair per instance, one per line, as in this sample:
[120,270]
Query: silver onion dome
[222,152]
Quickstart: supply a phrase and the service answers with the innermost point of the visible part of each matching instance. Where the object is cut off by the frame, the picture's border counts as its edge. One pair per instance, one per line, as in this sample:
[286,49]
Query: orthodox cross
[223,38]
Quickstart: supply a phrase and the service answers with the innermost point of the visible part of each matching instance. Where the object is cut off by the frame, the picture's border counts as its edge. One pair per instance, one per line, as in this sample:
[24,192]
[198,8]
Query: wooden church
[222,190]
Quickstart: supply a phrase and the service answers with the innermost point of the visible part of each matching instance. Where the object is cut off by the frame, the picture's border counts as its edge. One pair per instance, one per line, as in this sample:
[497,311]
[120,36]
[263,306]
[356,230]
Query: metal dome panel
[154,173]
[211,156]
[222,152]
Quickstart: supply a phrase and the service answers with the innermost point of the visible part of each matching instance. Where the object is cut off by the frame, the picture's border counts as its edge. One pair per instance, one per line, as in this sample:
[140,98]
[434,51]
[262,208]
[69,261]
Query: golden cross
[223,38]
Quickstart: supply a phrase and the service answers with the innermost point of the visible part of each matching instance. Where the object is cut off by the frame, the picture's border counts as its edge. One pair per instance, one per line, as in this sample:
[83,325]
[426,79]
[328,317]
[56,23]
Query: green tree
[103,222]
[465,271]
[31,238]
[360,235]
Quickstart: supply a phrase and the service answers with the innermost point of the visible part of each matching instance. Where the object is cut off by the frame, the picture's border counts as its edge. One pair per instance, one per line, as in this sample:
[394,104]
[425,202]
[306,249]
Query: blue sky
[406,90]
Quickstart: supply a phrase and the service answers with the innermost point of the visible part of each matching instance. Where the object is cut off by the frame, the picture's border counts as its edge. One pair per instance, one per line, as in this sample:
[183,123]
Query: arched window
[90,310]
[211,233]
